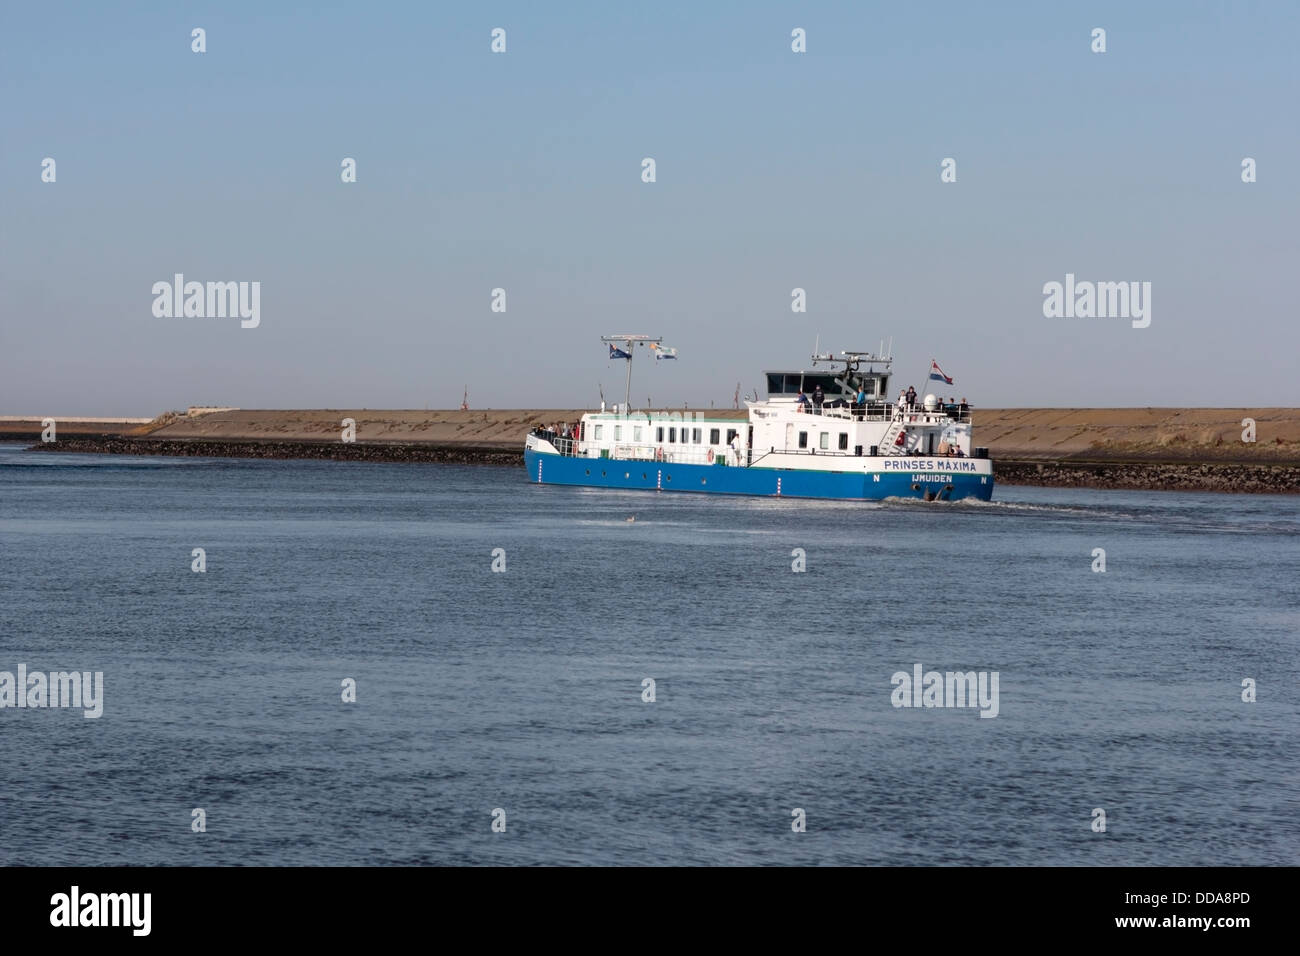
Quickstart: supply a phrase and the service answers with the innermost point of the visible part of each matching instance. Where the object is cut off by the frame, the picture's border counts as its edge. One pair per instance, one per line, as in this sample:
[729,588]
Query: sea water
[645,678]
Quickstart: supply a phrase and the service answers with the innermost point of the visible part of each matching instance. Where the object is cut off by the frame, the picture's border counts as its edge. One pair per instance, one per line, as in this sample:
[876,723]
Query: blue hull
[552,469]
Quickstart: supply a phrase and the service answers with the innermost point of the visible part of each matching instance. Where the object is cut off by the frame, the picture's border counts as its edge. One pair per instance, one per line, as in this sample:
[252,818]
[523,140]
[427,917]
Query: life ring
[709,457]
[902,437]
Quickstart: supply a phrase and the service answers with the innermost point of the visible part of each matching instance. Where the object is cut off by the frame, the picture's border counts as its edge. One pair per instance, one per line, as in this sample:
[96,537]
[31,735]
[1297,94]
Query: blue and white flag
[663,351]
[619,353]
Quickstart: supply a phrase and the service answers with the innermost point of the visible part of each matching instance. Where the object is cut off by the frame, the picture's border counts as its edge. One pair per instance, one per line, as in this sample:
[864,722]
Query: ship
[831,431]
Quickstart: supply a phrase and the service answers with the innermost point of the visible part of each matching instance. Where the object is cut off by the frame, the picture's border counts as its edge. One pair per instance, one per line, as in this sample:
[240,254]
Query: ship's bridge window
[844,441]
[599,429]
[803,439]
[789,383]
[713,436]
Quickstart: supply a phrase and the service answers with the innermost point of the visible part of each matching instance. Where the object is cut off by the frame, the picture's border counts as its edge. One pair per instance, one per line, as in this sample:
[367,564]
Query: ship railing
[919,416]
[818,453]
[811,453]
[851,411]
[565,446]
[885,412]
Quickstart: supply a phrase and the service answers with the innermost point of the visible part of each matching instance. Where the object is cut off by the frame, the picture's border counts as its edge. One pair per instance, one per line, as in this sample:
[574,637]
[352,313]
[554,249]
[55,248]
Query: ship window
[825,441]
[803,439]
[731,433]
[660,435]
[686,435]
[713,436]
[672,435]
[599,429]
[844,441]
[695,435]
[636,433]
[618,433]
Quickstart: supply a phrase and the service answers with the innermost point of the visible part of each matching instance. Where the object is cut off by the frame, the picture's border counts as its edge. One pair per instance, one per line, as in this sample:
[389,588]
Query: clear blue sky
[523,171]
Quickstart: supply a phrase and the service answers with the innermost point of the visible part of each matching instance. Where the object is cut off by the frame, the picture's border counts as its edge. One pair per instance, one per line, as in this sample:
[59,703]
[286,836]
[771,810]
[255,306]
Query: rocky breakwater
[1152,475]
[457,453]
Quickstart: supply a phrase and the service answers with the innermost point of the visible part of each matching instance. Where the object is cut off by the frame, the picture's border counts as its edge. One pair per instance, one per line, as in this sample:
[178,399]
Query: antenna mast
[630,341]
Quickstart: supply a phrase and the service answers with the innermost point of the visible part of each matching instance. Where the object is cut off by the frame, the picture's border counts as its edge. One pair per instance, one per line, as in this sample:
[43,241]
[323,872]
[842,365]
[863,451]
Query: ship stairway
[887,446]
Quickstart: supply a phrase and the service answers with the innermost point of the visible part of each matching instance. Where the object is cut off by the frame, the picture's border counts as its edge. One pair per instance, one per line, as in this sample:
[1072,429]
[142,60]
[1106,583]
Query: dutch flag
[936,373]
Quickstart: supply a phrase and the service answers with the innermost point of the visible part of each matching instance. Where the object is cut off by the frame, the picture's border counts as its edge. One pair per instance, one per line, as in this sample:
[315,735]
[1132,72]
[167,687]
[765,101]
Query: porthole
[589,471]
[643,476]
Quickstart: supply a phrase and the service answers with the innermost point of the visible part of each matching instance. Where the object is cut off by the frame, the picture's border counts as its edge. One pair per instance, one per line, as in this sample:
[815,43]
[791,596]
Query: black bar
[952,908]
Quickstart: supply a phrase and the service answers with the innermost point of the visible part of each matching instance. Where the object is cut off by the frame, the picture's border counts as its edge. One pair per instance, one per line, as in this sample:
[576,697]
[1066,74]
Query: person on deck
[818,399]
[802,401]
[911,396]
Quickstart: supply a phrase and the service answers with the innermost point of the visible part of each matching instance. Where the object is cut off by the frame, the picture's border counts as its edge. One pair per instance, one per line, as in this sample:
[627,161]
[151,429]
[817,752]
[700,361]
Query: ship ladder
[887,446]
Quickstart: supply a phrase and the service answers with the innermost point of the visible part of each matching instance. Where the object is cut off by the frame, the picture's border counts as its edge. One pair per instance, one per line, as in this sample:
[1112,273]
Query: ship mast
[627,344]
